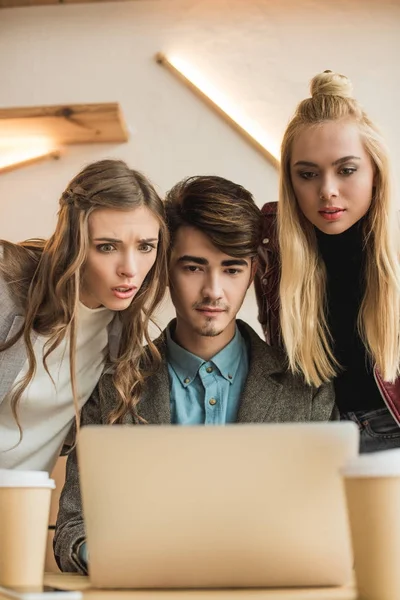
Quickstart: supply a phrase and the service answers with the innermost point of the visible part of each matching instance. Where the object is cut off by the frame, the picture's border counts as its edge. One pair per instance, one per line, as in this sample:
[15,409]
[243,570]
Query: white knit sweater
[46,409]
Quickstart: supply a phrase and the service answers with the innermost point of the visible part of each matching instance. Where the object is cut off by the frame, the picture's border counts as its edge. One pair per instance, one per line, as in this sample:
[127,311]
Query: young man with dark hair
[214,368]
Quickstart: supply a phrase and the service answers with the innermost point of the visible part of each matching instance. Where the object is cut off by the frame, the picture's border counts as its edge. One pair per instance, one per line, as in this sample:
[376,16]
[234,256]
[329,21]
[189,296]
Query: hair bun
[331,84]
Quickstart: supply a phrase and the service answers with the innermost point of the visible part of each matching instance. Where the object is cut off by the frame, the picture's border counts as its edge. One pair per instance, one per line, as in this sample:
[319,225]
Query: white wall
[261,53]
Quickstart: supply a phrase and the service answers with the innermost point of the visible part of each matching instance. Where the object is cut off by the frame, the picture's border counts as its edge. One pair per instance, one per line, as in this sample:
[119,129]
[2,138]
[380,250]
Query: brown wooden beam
[66,124]
[17,3]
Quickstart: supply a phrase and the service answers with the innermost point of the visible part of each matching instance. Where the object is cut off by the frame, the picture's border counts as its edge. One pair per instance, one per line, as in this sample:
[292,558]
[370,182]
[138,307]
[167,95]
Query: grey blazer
[11,321]
[271,394]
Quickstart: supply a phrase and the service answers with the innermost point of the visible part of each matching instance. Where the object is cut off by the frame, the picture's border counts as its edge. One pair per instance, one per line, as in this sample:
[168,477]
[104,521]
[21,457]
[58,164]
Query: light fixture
[248,128]
[15,152]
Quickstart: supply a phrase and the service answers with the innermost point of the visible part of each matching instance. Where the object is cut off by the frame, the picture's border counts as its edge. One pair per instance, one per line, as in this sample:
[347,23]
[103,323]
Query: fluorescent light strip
[219,102]
[21,154]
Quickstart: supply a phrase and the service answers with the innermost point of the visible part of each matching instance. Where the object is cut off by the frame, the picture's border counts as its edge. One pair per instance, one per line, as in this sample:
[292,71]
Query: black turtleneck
[355,387]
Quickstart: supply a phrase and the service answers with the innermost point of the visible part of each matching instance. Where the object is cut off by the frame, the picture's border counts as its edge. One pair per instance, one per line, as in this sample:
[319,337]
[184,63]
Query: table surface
[77,582]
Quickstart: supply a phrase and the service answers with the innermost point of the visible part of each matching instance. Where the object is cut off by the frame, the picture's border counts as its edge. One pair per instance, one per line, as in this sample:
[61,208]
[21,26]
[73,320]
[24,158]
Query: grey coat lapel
[154,405]
[11,321]
[13,359]
[261,392]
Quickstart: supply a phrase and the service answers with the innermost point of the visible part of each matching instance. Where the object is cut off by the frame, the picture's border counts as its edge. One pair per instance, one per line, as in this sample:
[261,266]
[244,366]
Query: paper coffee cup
[24,514]
[372,483]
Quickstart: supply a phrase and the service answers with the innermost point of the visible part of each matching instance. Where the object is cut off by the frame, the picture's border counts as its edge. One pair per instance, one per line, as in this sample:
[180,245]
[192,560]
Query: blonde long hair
[43,277]
[303,300]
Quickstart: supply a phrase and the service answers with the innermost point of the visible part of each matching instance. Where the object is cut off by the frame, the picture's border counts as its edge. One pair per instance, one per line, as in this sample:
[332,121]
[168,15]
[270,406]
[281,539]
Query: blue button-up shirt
[206,392]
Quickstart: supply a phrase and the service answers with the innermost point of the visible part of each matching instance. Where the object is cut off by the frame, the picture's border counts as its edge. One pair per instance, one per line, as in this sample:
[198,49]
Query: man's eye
[106,248]
[191,268]
[233,271]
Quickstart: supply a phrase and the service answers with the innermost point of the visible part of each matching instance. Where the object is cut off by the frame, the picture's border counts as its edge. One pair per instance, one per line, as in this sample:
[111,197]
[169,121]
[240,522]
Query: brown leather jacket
[267,291]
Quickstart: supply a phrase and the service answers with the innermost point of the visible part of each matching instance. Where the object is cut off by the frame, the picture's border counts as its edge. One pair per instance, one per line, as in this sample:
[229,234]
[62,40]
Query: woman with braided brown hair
[75,304]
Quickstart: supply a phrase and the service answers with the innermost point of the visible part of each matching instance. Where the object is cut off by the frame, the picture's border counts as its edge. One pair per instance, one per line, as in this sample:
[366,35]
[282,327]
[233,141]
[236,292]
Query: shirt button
[209,369]
[187,380]
[265,241]
[230,376]
[212,401]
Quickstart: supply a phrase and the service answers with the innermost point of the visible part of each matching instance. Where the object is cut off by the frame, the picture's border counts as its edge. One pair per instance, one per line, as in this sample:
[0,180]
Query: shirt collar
[227,360]
[186,365]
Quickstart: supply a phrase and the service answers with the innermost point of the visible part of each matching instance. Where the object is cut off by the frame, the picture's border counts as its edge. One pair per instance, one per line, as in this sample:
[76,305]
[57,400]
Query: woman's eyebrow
[116,241]
[345,159]
[307,163]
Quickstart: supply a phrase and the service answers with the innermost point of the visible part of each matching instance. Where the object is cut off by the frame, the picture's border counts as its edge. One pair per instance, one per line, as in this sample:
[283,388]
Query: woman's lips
[124,292]
[331,214]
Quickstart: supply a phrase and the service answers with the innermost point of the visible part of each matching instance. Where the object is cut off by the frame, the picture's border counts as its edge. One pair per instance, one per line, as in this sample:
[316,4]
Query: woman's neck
[343,248]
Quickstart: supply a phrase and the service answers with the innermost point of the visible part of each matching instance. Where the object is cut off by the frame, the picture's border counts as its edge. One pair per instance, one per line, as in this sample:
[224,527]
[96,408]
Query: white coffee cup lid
[374,464]
[21,479]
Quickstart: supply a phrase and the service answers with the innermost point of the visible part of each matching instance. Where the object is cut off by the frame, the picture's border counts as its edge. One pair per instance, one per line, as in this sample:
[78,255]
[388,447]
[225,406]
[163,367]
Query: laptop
[258,505]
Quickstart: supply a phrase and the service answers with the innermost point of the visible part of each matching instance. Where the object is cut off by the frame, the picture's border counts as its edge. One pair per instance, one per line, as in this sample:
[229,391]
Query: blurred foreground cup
[24,515]
[372,483]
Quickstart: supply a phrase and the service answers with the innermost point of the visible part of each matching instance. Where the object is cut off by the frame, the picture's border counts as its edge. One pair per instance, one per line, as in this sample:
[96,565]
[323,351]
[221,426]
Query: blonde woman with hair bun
[76,304]
[329,281]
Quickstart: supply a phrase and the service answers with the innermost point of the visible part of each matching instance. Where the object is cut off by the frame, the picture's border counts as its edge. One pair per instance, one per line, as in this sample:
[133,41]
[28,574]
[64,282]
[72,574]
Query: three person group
[75,309]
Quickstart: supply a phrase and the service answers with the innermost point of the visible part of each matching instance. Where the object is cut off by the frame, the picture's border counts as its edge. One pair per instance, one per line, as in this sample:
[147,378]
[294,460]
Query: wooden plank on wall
[17,3]
[66,124]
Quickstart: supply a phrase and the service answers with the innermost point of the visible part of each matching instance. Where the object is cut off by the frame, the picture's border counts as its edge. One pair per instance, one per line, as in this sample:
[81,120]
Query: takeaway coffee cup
[24,515]
[372,483]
